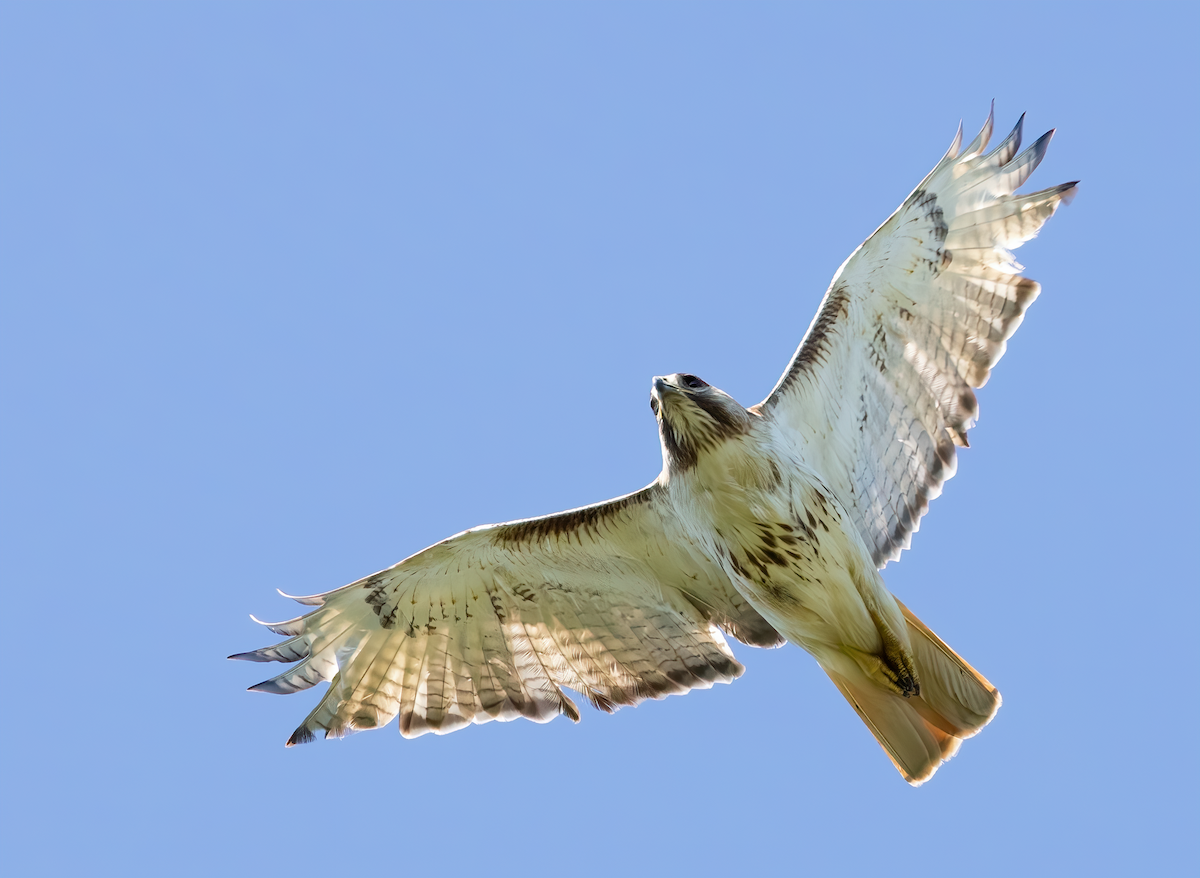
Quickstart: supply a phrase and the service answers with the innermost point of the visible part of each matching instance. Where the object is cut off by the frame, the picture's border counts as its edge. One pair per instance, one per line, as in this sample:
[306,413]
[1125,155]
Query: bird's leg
[891,667]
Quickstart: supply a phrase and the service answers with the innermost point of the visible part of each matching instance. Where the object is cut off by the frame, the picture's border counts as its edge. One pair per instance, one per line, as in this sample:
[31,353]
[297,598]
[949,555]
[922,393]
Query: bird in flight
[767,524]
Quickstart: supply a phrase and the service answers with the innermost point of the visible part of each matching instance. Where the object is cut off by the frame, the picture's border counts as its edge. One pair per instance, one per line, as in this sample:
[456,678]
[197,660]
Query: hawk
[768,523]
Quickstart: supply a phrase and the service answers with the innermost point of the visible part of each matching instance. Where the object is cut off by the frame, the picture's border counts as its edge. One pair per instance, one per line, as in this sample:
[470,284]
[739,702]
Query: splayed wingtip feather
[952,152]
[311,600]
[979,144]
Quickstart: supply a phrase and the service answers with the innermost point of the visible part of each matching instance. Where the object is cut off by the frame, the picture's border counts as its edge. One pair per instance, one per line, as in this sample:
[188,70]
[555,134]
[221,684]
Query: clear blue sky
[290,291]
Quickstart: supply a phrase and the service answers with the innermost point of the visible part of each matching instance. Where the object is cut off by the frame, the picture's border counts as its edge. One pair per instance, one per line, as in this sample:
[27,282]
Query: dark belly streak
[773,556]
[779,560]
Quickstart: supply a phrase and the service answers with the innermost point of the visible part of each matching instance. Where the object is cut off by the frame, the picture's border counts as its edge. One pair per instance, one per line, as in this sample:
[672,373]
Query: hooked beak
[658,387]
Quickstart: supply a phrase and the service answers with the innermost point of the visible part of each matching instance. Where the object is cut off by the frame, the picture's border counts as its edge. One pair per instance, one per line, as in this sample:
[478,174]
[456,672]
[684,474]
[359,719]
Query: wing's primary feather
[489,624]
[881,389]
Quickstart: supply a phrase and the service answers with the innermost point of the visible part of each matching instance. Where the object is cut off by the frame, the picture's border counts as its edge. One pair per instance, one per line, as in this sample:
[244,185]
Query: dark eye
[692,381]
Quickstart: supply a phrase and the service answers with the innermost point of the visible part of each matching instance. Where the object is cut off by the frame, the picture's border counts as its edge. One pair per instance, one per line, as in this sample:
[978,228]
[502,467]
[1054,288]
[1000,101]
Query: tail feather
[916,746]
[949,686]
[920,732]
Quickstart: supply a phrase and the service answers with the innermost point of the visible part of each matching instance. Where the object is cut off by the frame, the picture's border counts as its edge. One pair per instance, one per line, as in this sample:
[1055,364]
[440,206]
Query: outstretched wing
[610,600]
[880,391]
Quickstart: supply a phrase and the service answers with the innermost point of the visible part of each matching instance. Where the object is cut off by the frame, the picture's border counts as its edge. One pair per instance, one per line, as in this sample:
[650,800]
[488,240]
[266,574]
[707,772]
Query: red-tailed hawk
[767,523]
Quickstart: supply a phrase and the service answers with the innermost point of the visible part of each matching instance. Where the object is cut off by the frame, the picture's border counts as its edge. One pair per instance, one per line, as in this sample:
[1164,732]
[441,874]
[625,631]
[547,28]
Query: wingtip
[1009,146]
[311,600]
[288,627]
[956,142]
[989,125]
[979,144]
[302,735]
[1039,148]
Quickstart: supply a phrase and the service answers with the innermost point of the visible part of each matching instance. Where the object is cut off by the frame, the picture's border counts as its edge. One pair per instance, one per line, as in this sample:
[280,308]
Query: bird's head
[693,418]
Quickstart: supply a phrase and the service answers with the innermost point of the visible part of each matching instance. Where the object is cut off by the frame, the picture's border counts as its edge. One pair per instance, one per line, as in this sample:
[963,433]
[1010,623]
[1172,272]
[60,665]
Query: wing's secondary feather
[881,389]
[494,622]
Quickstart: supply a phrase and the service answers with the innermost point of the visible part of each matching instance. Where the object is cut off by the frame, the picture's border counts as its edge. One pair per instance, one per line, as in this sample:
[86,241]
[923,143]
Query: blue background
[291,291]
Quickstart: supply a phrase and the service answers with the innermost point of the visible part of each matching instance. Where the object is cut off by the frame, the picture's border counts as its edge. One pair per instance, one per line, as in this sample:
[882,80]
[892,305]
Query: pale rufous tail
[921,732]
